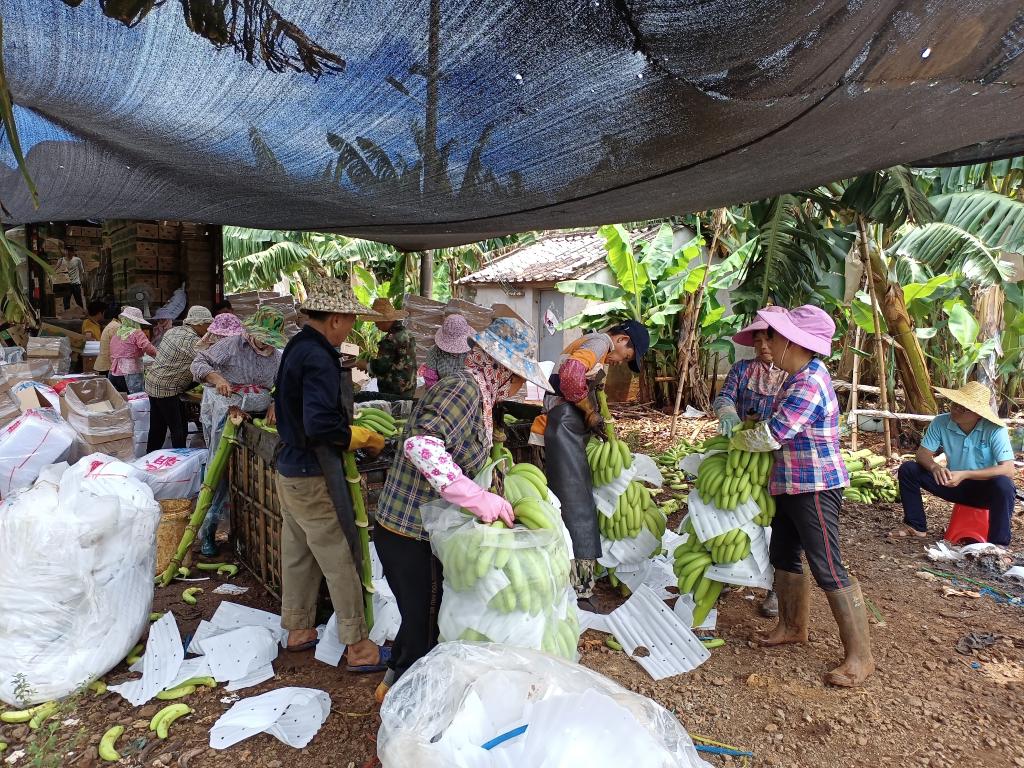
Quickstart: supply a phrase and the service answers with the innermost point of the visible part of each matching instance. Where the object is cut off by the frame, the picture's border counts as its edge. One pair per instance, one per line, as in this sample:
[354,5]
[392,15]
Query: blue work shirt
[987,445]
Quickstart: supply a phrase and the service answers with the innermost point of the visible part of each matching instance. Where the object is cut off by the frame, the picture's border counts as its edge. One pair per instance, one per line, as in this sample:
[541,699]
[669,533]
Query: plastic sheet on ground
[655,573]
[942,552]
[77,558]
[710,521]
[291,715]
[163,658]
[238,653]
[32,441]
[478,692]
[230,616]
[644,620]
[1016,573]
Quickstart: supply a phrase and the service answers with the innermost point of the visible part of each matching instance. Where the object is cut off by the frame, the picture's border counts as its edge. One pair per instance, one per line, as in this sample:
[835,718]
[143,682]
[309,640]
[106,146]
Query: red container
[967,525]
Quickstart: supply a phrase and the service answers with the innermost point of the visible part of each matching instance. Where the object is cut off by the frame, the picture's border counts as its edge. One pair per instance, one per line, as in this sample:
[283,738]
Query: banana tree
[651,278]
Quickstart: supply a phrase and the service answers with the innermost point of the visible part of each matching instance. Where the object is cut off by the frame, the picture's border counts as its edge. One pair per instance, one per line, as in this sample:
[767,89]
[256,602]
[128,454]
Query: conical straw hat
[976,398]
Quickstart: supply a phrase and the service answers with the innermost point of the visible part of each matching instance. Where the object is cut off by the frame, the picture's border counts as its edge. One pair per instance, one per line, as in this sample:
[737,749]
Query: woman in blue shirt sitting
[979,464]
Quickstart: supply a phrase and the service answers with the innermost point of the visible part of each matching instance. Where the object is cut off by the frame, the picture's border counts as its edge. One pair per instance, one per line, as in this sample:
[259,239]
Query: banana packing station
[265,500]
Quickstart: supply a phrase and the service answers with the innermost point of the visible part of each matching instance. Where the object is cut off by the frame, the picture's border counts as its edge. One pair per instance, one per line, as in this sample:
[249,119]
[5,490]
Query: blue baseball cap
[638,337]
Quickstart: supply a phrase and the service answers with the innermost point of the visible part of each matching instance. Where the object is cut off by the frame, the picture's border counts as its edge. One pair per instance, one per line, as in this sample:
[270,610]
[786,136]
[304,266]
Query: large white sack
[77,558]
[173,473]
[32,441]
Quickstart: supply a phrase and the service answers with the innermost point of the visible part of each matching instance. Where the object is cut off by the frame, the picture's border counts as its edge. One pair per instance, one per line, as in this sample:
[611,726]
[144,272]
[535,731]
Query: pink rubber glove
[485,505]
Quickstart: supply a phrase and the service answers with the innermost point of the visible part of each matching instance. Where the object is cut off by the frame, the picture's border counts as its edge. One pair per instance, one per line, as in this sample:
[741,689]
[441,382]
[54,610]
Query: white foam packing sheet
[596,621]
[690,464]
[607,496]
[329,649]
[655,573]
[627,551]
[644,620]
[745,573]
[291,715]
[163,658]
[238,653]
[710,521]
[647,470]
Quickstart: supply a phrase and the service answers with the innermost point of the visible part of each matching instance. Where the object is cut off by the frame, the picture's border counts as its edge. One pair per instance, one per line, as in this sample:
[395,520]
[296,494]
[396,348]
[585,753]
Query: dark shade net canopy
[432,122]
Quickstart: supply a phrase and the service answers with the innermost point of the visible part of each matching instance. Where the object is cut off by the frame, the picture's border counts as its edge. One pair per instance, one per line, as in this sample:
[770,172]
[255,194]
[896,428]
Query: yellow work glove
[366,438]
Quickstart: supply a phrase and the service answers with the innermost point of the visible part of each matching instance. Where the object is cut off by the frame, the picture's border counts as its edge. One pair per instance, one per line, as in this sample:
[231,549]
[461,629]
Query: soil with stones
[927,704]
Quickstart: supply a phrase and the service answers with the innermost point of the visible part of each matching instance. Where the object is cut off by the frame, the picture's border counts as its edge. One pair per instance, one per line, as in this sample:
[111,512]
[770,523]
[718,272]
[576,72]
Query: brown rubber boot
[794,610]
[848,608]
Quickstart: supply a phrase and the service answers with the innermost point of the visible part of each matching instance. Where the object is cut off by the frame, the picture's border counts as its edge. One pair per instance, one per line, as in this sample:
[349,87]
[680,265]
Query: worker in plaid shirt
[807,484]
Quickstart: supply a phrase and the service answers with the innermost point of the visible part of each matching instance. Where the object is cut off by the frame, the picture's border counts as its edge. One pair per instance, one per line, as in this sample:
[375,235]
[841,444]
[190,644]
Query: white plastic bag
[77,557]
[173,473]
[480,692]
[32,441]
[508,586]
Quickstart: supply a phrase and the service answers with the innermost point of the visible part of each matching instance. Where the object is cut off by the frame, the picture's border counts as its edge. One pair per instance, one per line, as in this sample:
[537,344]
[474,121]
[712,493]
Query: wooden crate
[77,231]
[256,511]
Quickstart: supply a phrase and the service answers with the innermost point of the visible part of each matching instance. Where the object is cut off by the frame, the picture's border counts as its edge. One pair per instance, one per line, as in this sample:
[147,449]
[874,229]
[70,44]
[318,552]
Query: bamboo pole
[214,473]
[854,390]
[876,414]
[879,349]
[355,490]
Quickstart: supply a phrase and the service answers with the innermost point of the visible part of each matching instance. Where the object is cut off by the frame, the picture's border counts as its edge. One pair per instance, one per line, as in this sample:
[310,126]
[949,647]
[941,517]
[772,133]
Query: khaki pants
[313,546]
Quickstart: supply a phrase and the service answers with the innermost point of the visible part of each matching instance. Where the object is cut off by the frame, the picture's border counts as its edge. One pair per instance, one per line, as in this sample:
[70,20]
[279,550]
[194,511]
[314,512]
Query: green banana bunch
[729,547]
[561,636]
[689,567]
[692,544]
[677,453]
[634,510]
[705,595]
[864,459]
[766,503]
[607,460]
[728,479]
[376,420]
[869,486]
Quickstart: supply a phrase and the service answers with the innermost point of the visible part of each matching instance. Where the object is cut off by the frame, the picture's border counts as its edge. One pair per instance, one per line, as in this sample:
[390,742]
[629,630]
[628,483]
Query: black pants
[166,413]
[76,291]
[565,464]
[119,383]
[997,495]
[414,575]
[809,523]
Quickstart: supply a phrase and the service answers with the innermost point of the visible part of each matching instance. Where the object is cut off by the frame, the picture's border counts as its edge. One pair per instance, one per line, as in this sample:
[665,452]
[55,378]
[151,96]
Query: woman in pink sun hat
[448,355]
[807,484]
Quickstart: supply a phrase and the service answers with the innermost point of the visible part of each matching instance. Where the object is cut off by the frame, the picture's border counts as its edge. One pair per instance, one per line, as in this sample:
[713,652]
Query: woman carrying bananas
[749,393]
[446,443]
[807,484]
[570,417]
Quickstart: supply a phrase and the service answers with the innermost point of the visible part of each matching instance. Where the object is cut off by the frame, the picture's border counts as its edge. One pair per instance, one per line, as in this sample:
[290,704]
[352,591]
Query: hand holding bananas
[488,507]
[592,417]
[728,421]
[376,420]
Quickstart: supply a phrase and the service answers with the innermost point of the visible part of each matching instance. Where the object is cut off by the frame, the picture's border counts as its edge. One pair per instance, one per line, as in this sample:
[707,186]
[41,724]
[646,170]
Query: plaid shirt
[445,363]
[451,411]
[806,425]
[738,392]
[169,375]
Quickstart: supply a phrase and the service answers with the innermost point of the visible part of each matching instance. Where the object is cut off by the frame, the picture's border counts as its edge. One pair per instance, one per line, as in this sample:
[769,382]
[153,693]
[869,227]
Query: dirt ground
[927,704]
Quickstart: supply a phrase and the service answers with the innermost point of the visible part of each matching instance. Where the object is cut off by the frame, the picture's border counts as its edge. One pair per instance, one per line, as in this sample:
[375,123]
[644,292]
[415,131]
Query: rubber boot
[770,605]
[848,609]
[794,610]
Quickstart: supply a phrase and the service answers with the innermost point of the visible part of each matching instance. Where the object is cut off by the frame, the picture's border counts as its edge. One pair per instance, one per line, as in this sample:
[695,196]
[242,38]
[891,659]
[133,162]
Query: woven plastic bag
[503,585]
[481,696]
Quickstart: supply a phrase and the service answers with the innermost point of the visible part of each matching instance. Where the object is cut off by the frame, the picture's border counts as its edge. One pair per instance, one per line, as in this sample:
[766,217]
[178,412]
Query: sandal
[906,532]
[302,646]
[382,663]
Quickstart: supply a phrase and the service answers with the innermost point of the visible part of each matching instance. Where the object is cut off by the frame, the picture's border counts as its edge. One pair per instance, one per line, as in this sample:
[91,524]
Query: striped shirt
[449,411]
[236,360]
[806,424]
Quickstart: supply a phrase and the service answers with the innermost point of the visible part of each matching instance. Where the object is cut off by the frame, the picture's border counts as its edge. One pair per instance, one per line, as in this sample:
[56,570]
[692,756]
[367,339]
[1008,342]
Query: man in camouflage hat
[318,533]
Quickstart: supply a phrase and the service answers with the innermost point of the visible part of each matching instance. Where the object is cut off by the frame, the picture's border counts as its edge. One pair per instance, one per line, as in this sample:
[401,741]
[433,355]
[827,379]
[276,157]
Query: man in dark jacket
[314,428]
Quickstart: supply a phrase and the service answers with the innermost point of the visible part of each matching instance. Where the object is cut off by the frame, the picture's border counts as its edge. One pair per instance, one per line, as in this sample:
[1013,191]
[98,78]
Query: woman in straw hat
[979,464]
[448,355]
[807,484]
[749,394]
[127,346]
[447,441]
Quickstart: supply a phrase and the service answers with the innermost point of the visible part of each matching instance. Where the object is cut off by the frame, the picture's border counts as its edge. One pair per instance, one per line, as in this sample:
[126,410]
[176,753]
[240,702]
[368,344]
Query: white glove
[728,420]
[756,440]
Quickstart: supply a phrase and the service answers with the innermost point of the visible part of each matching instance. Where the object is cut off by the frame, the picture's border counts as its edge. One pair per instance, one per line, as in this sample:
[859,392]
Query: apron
[565,464]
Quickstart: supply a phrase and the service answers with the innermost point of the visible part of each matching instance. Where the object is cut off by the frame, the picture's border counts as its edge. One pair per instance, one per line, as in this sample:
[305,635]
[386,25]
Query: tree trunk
[988,306]
[910,360]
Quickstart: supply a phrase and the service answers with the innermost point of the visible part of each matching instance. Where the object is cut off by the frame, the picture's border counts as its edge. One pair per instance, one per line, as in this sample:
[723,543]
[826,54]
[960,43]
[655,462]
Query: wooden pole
[698,297]
[879,349]
[854,390]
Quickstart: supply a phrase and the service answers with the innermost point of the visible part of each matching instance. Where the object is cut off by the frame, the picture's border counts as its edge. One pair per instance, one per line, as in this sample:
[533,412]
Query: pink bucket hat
[745,337]
[807,326]
[453,335]
[226,324]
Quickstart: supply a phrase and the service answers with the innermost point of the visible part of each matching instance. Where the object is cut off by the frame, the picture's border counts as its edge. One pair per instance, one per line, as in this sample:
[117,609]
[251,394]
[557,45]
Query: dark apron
[565,464]
[329,459]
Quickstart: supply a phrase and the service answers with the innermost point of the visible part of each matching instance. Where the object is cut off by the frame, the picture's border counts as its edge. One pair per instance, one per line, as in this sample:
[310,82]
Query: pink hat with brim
[745,337]
[806,326]
[453,335]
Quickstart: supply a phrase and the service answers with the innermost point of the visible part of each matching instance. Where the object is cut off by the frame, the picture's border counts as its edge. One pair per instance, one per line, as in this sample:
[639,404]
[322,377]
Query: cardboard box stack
[55,349]
[85,243]
[199,259]
[145,257]
[100,416]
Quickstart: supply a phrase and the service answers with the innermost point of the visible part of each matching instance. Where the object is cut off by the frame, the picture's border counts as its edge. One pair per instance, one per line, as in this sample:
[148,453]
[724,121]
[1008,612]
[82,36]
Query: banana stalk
[606,414]
[214,473]
[363,524]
